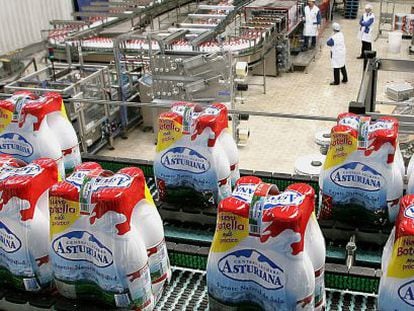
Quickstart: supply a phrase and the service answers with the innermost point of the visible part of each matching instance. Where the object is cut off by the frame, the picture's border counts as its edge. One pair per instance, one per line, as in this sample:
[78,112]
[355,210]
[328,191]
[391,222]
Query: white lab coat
[310,29]
[338,50]
[362,35]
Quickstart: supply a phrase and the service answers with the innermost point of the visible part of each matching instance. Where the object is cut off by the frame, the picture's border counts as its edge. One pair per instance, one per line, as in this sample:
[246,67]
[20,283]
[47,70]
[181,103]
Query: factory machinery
[191,55]
[246,28]
[96,125]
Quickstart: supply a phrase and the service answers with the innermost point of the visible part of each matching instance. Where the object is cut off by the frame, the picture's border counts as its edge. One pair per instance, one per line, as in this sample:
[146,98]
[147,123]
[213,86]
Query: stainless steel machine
[79,82]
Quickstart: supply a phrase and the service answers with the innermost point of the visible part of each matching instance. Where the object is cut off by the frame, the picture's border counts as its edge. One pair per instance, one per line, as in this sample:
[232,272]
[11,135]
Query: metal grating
[188,291]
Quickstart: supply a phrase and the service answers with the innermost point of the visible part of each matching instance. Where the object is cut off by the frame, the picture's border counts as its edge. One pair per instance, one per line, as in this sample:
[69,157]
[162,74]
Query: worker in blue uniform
[366,26]
[312,19]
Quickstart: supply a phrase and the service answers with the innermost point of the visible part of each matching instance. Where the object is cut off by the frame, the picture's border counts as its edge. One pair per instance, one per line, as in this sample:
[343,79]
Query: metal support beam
[206,16]
[231,111]
[62,22]
[396,65]
[99,14]
[216,7]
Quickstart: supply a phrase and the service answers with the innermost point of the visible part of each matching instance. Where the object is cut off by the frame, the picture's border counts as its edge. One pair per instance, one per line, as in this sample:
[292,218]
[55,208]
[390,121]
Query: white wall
[22,20]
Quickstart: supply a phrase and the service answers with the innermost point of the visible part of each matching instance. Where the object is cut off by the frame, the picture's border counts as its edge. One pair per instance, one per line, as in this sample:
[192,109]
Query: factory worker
[338,53]
[312,20]
[366,29]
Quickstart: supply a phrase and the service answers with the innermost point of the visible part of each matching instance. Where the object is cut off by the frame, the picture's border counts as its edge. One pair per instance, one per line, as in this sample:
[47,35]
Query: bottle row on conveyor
[251,34]
[105,238]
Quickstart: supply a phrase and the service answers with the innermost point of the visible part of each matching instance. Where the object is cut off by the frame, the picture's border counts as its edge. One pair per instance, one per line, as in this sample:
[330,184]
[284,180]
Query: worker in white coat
[312,18]
[366,27]
[338,54]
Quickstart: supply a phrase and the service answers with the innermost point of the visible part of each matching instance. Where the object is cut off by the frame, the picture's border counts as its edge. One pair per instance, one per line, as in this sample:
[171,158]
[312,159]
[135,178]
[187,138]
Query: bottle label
[9,242]
[255,218]
[244,192]
[363,131]
[185,159]
[84,247]
[15,254]
[251,265]
[16,145]
[5,118]
[85,196]
[20,102]
[139,284]
[158,262]
[187,119]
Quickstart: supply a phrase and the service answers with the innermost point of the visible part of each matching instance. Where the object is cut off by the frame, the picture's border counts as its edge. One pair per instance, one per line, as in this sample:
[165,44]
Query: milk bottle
[315,247]
[410,167]
[63,130]
[396,290]
[269,270]
[24,238]
[56,119]
[28,136]
[196,119]
[117,219]
[410,176]
[225,139]
[150,227]
[190,162]
[360,181]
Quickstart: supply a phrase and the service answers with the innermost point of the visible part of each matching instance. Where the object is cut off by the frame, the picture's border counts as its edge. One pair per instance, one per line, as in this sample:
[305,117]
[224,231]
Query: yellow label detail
[169,132]
[63,111]
[342,145]
[63,214]
[230,231]
[401,264]
[5,118]
[148,196]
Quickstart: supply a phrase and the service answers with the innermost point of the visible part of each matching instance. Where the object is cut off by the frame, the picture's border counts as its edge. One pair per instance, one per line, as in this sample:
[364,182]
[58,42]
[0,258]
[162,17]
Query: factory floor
[276,143]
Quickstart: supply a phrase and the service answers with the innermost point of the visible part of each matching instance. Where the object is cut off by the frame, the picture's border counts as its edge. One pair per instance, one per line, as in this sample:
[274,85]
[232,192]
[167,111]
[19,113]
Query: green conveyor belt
[187,291]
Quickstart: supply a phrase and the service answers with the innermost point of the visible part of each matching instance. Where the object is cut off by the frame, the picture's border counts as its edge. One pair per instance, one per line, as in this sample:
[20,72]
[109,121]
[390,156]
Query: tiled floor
[275,143]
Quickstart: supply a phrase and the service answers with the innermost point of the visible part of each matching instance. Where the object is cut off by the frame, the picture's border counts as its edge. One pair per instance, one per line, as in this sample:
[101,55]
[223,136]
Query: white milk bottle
[315,247]
[67,214]
[361,180]
[394,192]
[410,176]
[396,290]
[64,131]
[400,160]
[28,136]
[410,167]
[114,200]
[117,210]
[222,166]
[206,132]
[225,139]
[270,271]
[190,166]
[24,221]
[150,227]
